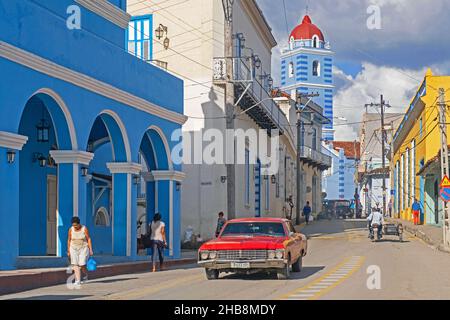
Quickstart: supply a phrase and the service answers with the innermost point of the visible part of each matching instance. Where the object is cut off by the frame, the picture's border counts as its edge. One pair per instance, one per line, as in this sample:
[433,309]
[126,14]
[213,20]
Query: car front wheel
[284,273]
[297,266]
[212,274]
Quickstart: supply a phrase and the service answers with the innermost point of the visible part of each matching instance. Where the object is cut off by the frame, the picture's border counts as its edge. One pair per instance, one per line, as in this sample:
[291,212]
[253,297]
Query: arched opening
[44,121]
[152,195]
[105,218]
[315,41]
[316,68]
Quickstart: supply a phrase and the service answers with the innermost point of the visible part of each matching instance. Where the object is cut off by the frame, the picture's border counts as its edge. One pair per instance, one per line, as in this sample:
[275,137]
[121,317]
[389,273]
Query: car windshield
[251,229]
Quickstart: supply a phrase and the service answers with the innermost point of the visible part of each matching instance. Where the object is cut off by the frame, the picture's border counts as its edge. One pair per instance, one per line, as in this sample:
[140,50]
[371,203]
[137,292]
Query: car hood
[245,243]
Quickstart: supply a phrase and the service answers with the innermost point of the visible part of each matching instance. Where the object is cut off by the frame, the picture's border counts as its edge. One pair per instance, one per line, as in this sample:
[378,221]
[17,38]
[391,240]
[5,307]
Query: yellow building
[415,166]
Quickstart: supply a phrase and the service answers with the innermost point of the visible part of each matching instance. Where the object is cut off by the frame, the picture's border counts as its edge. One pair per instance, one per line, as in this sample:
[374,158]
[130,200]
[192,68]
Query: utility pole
[382,104]
[299,151]
[444,160]
[229,103]
[383,153]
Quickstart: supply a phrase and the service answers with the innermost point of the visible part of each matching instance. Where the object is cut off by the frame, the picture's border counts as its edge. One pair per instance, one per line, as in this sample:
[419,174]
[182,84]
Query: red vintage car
[253,245]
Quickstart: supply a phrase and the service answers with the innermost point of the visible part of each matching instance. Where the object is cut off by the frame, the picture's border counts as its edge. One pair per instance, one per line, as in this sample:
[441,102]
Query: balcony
[315,158]
[266,114]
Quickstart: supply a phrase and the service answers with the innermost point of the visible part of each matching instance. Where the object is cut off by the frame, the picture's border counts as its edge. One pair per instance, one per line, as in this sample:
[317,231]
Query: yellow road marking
[328,281]
[134,294]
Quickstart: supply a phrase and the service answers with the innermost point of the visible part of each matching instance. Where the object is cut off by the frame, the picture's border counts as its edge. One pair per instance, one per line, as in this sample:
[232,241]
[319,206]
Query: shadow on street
[305,273]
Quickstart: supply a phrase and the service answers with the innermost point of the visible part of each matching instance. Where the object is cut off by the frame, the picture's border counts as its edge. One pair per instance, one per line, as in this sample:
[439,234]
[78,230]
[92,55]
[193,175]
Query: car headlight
[204,255]
[213,255]
[279,254]
[271,254]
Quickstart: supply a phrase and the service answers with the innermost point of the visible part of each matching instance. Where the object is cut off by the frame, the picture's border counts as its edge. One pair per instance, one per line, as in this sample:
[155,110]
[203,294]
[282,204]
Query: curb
[29,280]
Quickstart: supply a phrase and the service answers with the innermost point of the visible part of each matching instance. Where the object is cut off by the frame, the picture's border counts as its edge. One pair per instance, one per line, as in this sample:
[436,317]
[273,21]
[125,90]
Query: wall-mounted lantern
[11,156]
[84,171]
[257,61]
[166,43]
[178,186]
[39,157]
[273,179]
[136,179]
[160,31]
[223,179]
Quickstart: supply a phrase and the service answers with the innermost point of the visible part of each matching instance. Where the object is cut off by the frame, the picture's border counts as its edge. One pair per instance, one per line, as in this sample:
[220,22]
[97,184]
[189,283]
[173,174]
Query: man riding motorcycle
[376,218]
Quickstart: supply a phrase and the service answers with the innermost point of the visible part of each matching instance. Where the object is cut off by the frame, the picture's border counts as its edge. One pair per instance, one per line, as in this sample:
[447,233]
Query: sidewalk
[27,279]
[432,235]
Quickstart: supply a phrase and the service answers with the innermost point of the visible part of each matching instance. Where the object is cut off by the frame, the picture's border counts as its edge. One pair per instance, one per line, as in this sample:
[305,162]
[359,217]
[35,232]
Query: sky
[390,59]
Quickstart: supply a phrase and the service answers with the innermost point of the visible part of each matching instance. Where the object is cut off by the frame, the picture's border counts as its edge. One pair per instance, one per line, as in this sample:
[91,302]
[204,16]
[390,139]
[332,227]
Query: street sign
[445,194]
[445,182]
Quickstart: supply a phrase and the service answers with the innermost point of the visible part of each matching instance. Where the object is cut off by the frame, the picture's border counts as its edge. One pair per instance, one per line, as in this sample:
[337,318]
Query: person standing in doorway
[220,223]
[390,208]
[79,248]
[416,211]
[158,240]
[307,212]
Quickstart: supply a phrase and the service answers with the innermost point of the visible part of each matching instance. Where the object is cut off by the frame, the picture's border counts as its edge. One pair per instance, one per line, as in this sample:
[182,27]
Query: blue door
[258,189]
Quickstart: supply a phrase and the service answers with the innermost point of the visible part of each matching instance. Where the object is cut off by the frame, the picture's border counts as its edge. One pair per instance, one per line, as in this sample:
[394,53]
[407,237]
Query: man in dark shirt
[220,223]
[307,212]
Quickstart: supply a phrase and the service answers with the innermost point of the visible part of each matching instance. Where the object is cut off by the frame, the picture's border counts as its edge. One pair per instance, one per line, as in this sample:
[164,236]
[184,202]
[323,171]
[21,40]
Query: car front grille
[242,254]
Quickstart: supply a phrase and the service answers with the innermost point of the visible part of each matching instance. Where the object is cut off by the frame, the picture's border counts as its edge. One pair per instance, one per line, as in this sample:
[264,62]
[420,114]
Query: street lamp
[257,61]
[273,179]
[223,179]
[39,157]
[84,171]
[159,32]
[166,43]
[11,156]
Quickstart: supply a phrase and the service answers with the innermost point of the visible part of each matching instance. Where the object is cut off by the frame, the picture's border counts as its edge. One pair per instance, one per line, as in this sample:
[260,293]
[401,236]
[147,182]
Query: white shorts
[79,257]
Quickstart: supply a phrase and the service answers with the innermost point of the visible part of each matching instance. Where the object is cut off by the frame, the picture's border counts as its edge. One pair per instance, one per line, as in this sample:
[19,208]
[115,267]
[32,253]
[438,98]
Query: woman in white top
[79,248]
[158,238]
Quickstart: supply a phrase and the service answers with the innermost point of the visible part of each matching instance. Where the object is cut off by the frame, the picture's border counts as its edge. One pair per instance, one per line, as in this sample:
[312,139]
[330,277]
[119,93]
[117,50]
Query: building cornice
[305,84]
[164,175]
[52,69]
[108,11]
[124,167]
[294,52]
[71,156]
[257,18]
[12,141]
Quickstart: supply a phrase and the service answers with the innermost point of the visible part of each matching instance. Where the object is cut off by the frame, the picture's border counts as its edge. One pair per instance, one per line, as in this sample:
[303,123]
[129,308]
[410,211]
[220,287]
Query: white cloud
[397,85]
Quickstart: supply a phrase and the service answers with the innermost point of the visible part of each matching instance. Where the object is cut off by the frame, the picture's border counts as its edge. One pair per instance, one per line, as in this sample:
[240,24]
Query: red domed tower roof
[306,30]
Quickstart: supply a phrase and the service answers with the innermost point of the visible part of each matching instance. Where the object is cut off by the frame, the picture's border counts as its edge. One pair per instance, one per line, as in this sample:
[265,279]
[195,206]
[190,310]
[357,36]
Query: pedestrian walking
[416,211]
[307,212]
[390,208]
[79,248]
[158,240]
[220,223]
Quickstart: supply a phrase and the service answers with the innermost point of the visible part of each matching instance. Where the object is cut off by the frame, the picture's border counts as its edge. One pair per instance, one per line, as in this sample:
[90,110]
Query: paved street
[335,268]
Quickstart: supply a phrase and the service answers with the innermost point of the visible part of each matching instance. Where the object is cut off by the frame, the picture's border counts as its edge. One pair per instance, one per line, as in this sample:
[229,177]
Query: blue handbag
[91,264]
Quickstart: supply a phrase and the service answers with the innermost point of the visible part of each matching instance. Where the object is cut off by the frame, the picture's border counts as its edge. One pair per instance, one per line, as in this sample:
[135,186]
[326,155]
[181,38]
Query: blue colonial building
[82,125]
[307,67]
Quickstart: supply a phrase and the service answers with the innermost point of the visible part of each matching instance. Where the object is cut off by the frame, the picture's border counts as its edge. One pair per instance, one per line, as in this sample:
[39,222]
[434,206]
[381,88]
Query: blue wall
[39,27]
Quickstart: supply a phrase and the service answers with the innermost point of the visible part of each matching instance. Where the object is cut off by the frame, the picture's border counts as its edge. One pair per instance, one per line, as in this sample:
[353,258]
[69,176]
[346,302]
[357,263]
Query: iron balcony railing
[245,74]
[317,157]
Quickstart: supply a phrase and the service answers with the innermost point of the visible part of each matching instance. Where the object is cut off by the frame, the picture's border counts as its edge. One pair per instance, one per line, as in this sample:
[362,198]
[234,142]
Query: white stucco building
[195,31]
